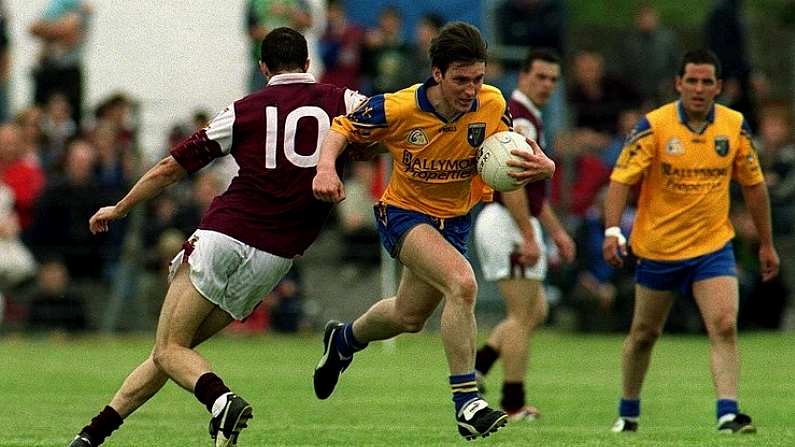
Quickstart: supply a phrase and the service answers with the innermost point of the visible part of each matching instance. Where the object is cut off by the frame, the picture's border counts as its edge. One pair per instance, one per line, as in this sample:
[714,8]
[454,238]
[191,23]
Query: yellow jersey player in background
[432,131]
[685,155]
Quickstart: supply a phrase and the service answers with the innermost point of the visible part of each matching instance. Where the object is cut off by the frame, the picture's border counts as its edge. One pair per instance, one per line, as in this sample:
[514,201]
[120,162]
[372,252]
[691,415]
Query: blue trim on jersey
[425,104]
[680,275]
[746,127]
[642,128]
[371,113]
[683,115]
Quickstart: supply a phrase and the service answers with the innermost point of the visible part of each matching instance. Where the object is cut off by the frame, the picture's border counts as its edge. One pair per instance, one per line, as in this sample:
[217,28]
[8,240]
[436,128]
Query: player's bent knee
[724,328]
[412,323]
[644,337]
[161,356]
[463,289]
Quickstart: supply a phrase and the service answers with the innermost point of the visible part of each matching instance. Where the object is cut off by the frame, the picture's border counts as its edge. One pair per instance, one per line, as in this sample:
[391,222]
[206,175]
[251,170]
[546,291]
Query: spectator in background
[59,225]
[262,16]
[427,29]
[117,111]
[54,307]
[5,65]
[597,97]
[16,262]
[657,48]
[57,127]
[21,172]
[115,166]
[62,30]
[386,56]
[360,247]
[532,24]
[725,34]
[340,48]
[776,145]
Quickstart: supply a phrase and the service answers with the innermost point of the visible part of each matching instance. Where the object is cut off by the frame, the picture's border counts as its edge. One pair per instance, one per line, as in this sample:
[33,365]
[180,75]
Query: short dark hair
[539,54]
[434,20]
[284,49]
[457,42]
[700,56]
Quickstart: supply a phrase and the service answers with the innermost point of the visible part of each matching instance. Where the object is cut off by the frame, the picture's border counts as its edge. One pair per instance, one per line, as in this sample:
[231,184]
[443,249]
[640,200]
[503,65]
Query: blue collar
[683,115]
[425,104]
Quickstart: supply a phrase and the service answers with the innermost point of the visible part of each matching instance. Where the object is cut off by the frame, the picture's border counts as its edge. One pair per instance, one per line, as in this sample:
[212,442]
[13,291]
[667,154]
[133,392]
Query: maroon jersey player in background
[247,239]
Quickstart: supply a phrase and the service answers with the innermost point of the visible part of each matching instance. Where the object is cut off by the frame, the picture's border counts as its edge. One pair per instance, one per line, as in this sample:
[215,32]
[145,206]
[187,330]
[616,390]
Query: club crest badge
[674,147]
[476,133]
[722,145]
[417,138]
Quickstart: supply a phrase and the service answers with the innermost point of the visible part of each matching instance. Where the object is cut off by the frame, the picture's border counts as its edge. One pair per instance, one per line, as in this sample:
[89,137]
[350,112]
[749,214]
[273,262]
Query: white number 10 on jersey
[290,128]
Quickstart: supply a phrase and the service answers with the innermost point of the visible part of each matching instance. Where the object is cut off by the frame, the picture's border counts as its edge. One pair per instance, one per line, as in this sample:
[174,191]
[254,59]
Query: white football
[493,157]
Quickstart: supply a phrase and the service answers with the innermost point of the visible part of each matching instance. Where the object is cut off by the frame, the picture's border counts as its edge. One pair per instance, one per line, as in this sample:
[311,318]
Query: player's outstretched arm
[166,172]
[535,166]
[614,246]
[326,185]
[758,203]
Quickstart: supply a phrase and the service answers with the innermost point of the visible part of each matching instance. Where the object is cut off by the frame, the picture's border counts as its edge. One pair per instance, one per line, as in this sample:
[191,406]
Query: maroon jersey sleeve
[205,145]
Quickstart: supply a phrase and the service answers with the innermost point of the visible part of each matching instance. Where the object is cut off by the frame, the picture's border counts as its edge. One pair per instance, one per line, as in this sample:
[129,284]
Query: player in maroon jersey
[511,246]
[247,239]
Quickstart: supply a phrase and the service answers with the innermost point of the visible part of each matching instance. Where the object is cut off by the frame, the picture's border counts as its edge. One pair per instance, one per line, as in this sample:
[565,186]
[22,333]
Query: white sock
[219,404]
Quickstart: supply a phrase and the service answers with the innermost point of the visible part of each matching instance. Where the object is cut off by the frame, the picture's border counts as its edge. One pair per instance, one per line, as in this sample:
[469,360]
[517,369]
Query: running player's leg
[406,312]
[525,310]
[140,386]
[438,263]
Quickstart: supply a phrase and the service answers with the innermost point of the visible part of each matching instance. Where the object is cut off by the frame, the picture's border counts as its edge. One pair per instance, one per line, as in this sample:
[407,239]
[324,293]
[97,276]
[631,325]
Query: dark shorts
[394,224]
[680,275]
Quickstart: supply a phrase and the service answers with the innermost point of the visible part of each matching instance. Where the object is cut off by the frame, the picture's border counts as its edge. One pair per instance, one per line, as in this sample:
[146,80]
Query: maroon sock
[485,359]
[208,388]
[102,425]
[512,396]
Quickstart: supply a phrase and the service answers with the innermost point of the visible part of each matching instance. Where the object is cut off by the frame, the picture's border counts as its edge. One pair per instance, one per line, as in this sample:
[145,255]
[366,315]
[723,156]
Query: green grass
[394,396]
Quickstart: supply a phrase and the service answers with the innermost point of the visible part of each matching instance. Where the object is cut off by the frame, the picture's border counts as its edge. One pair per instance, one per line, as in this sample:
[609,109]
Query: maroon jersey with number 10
[274,136]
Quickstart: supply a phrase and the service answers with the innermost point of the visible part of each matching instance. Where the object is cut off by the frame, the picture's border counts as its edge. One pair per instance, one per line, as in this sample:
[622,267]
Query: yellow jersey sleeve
[367,123]
[747,170]
[636,156]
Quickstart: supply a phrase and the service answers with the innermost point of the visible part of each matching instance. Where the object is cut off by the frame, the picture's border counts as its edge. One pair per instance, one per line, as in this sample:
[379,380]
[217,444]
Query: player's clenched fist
[328,187]
[100,220]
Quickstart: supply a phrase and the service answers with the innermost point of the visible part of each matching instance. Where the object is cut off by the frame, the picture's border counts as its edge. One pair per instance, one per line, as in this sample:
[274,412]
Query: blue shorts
[680,275]
[394,224]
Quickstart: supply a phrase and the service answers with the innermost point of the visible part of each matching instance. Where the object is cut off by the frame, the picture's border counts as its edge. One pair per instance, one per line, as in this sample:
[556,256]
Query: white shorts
[496,236]
[230,274]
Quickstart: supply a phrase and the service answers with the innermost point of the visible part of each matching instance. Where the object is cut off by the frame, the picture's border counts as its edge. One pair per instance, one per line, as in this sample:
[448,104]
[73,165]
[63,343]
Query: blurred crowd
[62,159]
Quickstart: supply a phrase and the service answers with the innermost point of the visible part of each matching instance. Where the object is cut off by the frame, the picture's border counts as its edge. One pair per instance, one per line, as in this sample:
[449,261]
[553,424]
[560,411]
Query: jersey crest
[722,145]
[476,133]
[417,137]
[675,147]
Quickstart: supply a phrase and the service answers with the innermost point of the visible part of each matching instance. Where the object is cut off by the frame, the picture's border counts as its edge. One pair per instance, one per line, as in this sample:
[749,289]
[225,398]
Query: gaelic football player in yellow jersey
[433,131]
[685,154]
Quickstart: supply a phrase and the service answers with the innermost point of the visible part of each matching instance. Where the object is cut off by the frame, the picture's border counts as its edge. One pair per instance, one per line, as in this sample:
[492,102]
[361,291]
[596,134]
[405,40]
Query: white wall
[173,56]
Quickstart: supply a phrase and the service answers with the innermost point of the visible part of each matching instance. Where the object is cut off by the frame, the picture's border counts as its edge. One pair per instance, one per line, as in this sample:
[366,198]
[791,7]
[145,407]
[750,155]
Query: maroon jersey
[527,121]
[274,136]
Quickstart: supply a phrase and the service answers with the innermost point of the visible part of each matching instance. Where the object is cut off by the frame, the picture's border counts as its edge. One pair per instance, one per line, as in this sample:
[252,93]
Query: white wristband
[616,233]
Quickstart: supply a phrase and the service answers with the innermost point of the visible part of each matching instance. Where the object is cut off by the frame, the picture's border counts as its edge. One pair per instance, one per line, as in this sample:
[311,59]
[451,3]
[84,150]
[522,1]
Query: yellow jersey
[434,169]
[683,208]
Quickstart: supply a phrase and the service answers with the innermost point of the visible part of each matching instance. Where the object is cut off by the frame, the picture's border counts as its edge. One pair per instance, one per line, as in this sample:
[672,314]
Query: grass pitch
[394,395]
